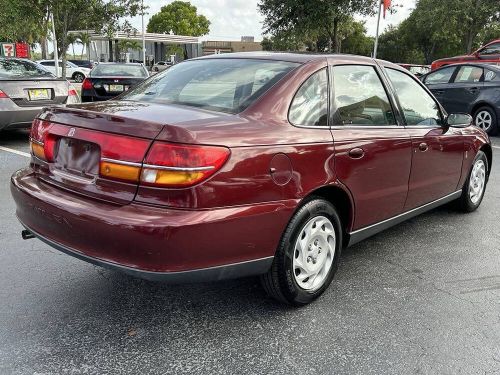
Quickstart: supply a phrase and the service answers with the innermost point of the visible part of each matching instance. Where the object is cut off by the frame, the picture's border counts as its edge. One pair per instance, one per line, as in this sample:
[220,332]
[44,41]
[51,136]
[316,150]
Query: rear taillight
[3,95]
[42,143]
[176,165]
[72,92]
[86,84]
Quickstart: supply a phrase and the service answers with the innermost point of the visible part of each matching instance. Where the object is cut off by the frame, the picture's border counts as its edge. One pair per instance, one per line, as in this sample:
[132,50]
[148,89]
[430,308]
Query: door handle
[356,153]
[423,147]
[474,89]
[439,92]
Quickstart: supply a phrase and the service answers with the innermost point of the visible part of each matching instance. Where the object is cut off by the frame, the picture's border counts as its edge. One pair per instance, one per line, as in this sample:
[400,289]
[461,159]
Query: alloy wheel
[484,120]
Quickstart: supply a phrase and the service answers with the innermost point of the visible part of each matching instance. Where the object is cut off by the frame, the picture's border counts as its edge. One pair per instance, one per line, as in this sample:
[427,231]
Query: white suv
[74,72]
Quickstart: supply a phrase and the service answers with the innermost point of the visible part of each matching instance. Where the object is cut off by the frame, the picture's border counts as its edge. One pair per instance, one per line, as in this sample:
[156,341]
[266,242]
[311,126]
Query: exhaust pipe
[27,235]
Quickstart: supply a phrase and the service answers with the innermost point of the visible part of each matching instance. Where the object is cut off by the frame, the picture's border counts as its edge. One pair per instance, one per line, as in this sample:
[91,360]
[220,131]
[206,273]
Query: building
[158,47]
[247,44]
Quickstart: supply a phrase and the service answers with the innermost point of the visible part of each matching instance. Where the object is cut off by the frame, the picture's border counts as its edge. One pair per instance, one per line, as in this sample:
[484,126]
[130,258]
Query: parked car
[160,66]
[489,53]
[228,166]
[73,71]
[418,70]
[83,63]
[108,80]
[471,88]
[25,88]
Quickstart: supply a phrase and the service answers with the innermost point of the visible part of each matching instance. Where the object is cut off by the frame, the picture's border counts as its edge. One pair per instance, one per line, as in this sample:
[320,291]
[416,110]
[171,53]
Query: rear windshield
[18,69]
[117,70]
[226,85]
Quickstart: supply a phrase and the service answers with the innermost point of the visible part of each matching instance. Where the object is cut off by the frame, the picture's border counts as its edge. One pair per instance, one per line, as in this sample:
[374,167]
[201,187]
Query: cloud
[231,19]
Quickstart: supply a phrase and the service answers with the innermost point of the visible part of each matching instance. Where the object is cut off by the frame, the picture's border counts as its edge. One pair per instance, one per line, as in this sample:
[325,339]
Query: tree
[312,17]
[181,18]
[437,29]
[83,38]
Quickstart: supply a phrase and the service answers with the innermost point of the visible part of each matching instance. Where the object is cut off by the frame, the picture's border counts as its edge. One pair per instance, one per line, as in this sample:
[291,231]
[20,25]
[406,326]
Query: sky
[231,19]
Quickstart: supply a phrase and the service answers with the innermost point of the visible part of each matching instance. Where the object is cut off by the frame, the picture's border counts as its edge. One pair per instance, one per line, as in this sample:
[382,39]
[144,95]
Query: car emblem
[117,80]
[71,132]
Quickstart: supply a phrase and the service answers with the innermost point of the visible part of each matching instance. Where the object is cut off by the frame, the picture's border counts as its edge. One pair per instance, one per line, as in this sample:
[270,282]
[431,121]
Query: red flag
[387,4]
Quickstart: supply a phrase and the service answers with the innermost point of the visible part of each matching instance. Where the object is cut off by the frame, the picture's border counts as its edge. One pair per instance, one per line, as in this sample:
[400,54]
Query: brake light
[86,84]
[3,95]
[176,165]
[41,142]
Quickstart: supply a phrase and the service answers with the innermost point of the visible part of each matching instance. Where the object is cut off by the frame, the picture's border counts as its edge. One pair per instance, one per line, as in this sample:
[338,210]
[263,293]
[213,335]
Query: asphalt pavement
[420,298]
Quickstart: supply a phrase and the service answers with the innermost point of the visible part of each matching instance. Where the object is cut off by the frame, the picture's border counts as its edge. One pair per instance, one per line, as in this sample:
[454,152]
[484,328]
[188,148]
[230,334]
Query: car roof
[119,63]
[478,64]
[287,56]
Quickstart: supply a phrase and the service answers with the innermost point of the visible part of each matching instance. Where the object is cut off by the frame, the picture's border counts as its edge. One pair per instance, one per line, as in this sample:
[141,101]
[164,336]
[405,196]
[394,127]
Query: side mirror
[459,120]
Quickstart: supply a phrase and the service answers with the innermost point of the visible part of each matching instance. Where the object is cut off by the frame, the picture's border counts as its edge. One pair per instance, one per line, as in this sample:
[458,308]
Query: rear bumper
[17,117]
[151,242]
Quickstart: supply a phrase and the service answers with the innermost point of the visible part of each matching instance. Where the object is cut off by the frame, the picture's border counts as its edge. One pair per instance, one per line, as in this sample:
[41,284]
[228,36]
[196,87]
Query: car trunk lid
[113,86]
[36,92]
[85,149]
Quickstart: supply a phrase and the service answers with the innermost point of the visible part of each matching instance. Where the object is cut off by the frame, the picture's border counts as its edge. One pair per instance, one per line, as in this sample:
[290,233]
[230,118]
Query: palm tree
[72,39]
[83,38]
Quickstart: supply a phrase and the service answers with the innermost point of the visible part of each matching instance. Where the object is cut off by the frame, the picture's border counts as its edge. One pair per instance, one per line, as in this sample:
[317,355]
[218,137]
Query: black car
[108,80]
[471,88]
[83,63]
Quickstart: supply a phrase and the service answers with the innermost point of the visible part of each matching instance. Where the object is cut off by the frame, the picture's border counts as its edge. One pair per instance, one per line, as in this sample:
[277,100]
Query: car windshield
[223,84]
[16,69]
[119,70]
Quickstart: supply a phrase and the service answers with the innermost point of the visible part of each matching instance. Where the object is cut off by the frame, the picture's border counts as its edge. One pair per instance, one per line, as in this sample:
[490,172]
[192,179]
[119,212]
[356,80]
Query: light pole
[143,35]
[375,47]
[54,41]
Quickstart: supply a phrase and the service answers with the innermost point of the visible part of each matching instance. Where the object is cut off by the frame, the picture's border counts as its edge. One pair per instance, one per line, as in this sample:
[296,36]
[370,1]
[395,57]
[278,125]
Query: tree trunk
[336,45]
[43,46]
[64,47]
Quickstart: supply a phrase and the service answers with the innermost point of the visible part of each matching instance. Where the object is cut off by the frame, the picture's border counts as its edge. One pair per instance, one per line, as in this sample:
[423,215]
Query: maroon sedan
[247,164]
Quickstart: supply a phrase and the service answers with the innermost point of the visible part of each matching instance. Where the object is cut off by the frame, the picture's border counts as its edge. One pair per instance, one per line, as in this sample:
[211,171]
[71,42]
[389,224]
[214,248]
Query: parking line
[12,151]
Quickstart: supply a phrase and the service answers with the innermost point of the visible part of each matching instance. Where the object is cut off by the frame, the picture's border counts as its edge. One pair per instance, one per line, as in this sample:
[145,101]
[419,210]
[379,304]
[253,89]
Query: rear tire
[475,185]
[486,119]
[78,77]
[307,256]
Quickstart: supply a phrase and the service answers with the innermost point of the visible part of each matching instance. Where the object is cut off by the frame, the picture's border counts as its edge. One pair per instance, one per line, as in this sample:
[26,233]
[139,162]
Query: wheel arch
[480,104]
[341,198]
[486,148]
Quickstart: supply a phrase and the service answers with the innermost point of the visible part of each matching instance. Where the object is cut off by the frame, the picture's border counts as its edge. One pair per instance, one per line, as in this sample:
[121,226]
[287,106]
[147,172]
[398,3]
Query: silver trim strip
[183,169]
[121,162]
[361,234]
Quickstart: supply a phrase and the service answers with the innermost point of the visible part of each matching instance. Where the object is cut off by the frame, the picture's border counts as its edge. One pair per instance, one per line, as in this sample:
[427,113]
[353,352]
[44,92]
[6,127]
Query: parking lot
[422,297]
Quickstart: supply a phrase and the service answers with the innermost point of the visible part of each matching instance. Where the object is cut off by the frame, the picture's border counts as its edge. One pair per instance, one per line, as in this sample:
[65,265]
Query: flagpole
[143,35]
[378,25]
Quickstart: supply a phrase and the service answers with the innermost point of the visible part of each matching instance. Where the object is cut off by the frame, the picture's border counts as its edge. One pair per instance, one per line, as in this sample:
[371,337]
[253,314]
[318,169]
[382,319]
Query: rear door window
[469,74]
[360,97]
[310,105]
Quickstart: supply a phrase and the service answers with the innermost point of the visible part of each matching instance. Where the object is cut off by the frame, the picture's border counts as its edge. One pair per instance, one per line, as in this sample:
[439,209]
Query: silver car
[25,88]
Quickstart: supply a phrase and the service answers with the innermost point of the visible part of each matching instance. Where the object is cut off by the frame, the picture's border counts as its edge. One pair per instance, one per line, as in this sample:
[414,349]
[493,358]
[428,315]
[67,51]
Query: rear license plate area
[39,94]
[114,88]
[78,157]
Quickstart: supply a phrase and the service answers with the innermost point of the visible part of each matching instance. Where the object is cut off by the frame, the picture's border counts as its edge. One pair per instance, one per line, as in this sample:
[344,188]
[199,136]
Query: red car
[490,53]
[247,164]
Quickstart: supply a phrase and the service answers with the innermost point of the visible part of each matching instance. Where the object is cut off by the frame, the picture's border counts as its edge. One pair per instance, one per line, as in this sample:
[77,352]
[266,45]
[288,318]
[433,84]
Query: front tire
[475,185]
[486,119]
[307,256]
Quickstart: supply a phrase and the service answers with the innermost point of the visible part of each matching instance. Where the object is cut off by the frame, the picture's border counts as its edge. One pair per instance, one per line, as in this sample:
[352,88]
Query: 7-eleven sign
[9,50]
